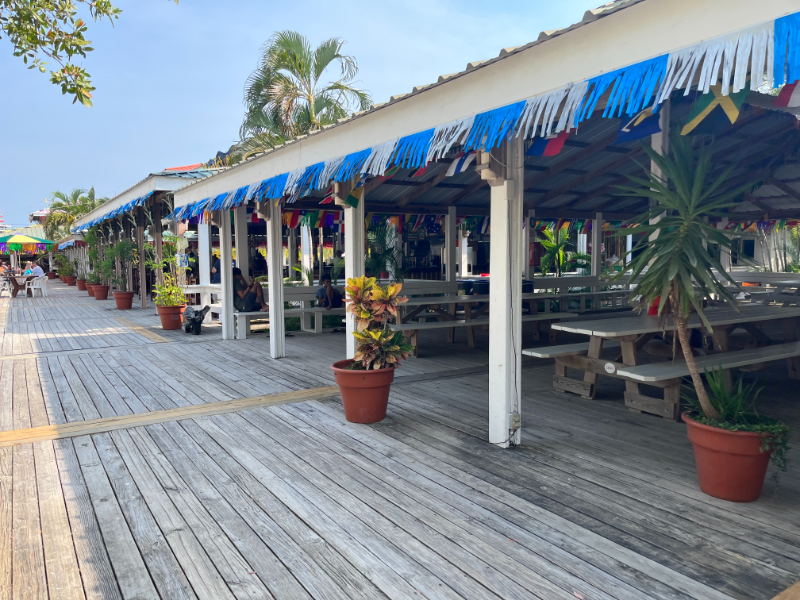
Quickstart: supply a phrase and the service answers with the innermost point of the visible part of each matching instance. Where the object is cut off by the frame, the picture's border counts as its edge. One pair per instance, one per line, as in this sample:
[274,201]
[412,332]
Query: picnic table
[476,306]
[631,333]
[18,283]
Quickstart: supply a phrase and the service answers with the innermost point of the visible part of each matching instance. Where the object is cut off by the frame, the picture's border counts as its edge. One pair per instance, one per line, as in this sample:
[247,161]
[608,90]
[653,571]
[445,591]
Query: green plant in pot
[170,302]
[104,270]
[123,251]
[81,281]
[365,380]
[92,279]
[675,272]
[68,273]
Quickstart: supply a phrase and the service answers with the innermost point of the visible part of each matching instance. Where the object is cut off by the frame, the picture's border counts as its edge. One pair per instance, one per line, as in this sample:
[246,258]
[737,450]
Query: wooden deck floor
[291,501]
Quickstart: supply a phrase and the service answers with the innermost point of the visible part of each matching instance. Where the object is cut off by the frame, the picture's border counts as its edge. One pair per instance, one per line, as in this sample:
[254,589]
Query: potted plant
[365,380]
[170,302]
[105,271]
[91,280]
[81,281]
[68,273]
[124,251]
[675,272]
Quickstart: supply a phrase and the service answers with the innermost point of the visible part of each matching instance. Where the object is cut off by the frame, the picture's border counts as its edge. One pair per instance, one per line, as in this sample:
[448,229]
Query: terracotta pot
[171,316]
[61,278]
[71,280]
[365,394]
[124,300]
[90,289]
[730,464]
[81,284]
[100,292]
[51,275]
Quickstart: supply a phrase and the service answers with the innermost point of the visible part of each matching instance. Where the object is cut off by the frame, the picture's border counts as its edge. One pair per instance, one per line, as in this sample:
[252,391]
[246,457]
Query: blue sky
[169,79]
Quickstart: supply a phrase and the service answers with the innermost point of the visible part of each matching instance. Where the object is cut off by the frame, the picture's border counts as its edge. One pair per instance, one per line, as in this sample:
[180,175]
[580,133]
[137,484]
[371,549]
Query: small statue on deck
[193,319]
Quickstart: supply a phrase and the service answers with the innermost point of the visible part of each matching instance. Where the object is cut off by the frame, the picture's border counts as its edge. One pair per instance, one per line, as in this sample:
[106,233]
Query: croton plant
[373,305]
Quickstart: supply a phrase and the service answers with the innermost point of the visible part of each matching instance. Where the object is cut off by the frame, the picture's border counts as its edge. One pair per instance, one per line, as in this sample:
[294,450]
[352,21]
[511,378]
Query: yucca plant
[373,305]
[674,268]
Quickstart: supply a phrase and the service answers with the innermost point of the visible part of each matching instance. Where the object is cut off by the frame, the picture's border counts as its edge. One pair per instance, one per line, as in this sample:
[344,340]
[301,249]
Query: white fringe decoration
[379,158]
[542,111]
[447,135]
[291,181]
[329,170]
[753,48]
[251,190]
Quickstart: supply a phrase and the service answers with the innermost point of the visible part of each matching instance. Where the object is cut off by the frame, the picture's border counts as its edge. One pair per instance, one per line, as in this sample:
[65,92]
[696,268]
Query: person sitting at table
[37,271]
[328,296]
[28,268]
[247,297]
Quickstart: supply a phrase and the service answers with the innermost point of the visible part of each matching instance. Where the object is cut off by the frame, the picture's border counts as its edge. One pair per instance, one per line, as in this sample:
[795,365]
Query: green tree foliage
[53,29]
[289,93]
[674,268]
[66,208]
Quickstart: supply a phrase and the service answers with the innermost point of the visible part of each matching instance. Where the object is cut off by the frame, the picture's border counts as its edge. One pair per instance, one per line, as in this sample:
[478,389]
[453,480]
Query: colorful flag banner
[460,164]
[642,125]
[714,112]
[548,146]
[789,97]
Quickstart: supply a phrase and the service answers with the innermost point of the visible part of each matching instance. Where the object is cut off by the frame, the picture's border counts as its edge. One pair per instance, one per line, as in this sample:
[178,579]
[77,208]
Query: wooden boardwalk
[288,500]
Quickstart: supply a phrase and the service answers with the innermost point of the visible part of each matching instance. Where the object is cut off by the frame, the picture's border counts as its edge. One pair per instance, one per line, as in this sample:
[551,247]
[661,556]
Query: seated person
[328,296]
[247,297]
[28,269]
[37,270]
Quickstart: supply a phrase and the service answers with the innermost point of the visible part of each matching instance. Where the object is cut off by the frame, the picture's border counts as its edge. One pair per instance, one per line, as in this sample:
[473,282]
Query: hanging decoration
[770,51]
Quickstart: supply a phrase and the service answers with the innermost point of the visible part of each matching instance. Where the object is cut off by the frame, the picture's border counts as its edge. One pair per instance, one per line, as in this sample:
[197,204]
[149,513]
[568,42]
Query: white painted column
[291,254]
[505,289]
[226,274]
[321,251]
[277,325]
[306,249]
[204,263]
[353,258]
[725,253]
[528,237]
[628,248]
[242,247]
[450,236]
[597,242]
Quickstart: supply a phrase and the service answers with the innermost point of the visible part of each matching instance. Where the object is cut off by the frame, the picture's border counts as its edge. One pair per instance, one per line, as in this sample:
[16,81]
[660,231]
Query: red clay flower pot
[171,316]
[124,300]
[730,464]
[71,280]
[61,279]
[365,394]
[100,291]
[81,284]
[90,289]
[51,275]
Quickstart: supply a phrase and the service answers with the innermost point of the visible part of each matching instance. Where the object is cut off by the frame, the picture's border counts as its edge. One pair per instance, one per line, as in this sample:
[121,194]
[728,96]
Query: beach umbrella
[17,242]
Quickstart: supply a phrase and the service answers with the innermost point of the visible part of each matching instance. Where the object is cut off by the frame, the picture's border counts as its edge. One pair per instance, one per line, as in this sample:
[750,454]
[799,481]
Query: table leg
[629,360]
[595,349]
[451,333]
[470,331]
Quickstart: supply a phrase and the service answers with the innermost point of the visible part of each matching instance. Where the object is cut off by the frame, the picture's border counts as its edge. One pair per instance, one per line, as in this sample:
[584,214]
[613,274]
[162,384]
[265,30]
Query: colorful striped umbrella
[16,242]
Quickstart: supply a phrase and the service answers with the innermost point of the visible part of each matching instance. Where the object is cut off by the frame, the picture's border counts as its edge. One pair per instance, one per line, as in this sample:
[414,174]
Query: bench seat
[664,371]
[566,349]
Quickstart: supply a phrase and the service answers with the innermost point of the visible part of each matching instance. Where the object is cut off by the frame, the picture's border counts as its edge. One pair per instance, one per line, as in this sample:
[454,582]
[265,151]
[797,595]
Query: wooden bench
[411,329]
[664,371]
[565,349]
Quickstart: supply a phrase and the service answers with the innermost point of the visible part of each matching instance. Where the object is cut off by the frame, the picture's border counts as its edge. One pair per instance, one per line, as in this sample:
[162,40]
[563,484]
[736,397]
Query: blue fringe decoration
[787,49]
[272,187]
[496,125]
[411,151]
[238,198]
[310,178]
[634,85]
[219,201]
[351,165]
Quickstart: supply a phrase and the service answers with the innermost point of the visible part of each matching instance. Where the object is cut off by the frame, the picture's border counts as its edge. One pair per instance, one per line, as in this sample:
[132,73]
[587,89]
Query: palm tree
[674,268]
[555,244]
[286,95]
[66,208]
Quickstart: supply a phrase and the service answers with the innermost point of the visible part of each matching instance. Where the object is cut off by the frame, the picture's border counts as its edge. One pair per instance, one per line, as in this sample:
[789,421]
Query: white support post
[353,259]
[277,326]
[321,252]
[307,264]
[463,244]
[242,247]
[226,274]
[450,236]
[628,248]
[291,252]
[204,263]
[505,290]
[528,238]
[597,243]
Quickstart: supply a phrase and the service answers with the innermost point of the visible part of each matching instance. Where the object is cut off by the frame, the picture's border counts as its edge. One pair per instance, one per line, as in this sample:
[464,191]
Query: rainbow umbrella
[28,244]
